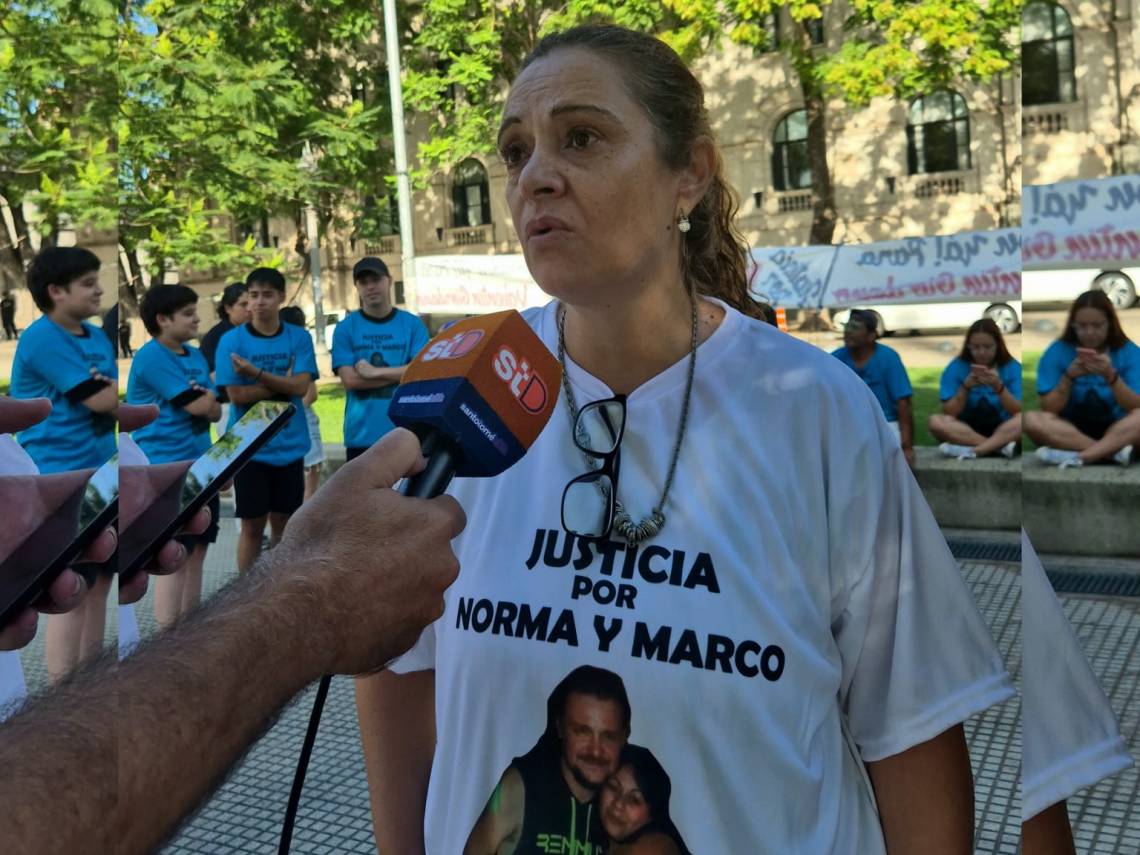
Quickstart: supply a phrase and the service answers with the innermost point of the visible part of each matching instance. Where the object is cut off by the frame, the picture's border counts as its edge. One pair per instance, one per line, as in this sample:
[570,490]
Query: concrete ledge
[1092,510]
[971,494]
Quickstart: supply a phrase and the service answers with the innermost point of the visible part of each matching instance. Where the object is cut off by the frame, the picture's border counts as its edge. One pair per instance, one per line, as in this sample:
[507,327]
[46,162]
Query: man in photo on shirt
[882,369]
[371,348]
[174,376]
[545,800]
[70,362]
[266,359]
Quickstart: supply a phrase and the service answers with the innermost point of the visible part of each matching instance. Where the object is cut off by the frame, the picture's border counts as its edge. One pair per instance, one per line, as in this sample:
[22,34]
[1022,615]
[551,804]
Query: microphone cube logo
[453,347]
[526,386]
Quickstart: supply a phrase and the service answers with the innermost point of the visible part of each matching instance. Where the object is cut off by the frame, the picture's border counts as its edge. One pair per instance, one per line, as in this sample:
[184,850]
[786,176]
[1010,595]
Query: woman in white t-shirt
[797,643]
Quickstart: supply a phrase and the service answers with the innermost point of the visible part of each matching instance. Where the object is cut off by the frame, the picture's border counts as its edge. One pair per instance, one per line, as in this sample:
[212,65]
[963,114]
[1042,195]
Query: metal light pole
[403,185]
[312,232]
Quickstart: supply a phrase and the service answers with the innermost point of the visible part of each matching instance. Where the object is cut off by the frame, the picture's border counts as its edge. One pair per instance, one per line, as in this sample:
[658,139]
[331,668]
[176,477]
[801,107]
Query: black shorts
[983,421]
[1094,425]
[262,489]
[210,535]
[354,452]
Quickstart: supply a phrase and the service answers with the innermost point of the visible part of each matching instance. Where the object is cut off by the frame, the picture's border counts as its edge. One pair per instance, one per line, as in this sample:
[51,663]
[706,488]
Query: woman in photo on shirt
[981,398]
[634,807]
[769,584]
[1089,383]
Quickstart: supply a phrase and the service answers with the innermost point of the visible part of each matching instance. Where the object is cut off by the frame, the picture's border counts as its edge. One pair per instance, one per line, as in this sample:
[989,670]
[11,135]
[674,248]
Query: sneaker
[1124,456]
[958,452]
[1059,457]
[1009,450]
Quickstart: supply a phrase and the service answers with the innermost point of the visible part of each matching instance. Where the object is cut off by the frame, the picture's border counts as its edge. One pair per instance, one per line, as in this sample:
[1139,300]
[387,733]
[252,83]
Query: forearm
[397,730]
[352,380]
[954,406]
[926,797]
[104,401]
[1055,400]
[1125,397]
[242,395]
[193,701]
[1011,404]
[906,423]
[310,395]
[295,385]
[88,758]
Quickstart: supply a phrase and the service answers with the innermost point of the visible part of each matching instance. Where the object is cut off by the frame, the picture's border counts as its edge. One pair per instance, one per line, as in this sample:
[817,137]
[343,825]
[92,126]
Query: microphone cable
[302,766]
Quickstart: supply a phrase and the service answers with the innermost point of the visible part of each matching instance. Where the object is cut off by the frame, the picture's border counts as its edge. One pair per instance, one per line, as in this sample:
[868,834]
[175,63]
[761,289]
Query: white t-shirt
[800,611]
[1069,735]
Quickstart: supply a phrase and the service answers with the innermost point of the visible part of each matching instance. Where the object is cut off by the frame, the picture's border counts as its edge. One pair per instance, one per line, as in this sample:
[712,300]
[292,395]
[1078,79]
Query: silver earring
[683,224]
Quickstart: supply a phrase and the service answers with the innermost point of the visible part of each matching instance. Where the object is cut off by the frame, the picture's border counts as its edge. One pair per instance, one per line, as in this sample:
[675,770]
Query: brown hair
[1095,299]
[713,253]
[990,328]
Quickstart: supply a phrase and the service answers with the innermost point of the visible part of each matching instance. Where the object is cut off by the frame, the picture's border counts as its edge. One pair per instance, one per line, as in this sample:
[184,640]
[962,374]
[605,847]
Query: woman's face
[623,807]
[593,205]
[238,313]
[1091,327]
[983,348]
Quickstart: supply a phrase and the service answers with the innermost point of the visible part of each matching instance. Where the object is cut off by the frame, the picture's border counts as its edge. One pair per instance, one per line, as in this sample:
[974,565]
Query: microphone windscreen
[488,383]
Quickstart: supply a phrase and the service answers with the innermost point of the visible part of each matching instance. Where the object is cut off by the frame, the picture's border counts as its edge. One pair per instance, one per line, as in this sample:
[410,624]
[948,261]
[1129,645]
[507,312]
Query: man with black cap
[881,368]
[370,349]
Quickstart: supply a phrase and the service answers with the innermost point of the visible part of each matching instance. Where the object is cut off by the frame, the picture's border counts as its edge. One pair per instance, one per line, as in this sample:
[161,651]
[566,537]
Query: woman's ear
[698,175]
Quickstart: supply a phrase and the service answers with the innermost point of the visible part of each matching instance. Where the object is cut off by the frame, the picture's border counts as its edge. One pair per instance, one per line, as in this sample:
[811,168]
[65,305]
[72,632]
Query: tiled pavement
[245,814]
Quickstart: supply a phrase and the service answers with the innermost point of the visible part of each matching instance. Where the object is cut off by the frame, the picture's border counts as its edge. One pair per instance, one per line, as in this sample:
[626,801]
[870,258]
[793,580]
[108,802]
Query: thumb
[20,414]
[395,456]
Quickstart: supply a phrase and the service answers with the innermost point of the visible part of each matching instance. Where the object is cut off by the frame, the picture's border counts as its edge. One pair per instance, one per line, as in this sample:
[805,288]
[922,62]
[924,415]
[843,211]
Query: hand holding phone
[175,492]
[54,522]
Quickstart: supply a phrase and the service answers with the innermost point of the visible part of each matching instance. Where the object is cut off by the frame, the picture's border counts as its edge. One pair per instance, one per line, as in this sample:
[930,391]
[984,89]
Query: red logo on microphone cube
[525,384]
[453,347]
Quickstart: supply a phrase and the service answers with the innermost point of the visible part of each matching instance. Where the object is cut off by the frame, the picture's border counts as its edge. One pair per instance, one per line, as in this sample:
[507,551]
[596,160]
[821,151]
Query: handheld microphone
[477,396]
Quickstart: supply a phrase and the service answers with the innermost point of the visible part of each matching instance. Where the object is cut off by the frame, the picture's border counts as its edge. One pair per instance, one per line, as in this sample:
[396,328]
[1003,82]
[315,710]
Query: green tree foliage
[462,54]
[57,109]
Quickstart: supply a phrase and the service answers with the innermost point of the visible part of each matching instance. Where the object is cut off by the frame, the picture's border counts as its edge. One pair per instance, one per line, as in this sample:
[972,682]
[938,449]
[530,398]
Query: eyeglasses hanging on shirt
[588,500]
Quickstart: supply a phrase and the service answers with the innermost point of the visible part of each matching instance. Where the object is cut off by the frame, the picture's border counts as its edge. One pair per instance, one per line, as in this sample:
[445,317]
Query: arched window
[938,134]
[791,167]
[1047,55]
[470,195]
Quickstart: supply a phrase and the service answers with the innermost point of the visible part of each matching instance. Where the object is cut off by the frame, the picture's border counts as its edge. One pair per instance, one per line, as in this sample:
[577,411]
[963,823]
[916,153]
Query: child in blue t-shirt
[981,398]
[1089,383]
[70,362]
[371,348]
[174,376]
[266,359]
[881,368]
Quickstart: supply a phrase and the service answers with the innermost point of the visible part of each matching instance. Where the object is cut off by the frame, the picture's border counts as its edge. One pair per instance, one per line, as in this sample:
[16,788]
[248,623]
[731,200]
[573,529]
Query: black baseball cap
[370,264]
[867,319]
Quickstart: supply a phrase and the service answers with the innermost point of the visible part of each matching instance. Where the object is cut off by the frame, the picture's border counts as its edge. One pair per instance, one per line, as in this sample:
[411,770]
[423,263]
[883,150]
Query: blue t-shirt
[885,374]
[51,362]
[981,398]
[1091,398]
[160,376]
[394,340]
[291,346]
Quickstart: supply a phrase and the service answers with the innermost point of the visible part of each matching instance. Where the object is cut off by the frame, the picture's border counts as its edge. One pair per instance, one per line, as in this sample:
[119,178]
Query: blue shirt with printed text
[1091,399]
[50,363]
[884,374]
[291,347]
[981,397]
[162,377]
[393,340]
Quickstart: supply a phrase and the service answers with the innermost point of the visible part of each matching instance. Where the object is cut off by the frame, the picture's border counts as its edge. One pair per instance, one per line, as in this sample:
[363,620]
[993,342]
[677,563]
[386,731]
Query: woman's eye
[580,138]
[511,154]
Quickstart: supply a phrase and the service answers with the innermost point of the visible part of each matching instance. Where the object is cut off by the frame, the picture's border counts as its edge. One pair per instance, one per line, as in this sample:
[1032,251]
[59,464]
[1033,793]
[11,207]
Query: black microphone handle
[443,455]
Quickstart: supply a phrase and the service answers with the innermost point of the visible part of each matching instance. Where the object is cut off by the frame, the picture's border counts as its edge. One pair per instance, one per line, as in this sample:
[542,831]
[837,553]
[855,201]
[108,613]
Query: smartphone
[977,369]
[59,541]
[188,494]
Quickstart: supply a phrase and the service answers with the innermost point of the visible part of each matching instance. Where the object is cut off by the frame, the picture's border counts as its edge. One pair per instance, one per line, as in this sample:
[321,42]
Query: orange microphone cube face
[505,362]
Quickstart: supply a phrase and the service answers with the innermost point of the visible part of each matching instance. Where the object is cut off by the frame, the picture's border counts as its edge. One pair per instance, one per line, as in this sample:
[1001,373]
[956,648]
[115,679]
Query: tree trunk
[15,247]
[824,217]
